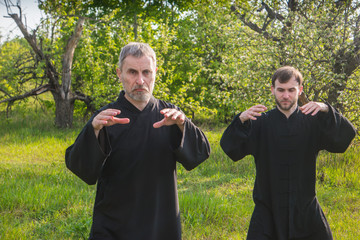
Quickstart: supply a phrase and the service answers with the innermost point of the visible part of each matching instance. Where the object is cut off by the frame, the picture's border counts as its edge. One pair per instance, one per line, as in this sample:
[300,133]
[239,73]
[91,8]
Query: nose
[286,94]
[140,79]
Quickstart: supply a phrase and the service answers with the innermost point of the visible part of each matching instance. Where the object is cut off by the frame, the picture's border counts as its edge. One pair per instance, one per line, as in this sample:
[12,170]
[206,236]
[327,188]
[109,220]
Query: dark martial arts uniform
[135,168]
[285,152]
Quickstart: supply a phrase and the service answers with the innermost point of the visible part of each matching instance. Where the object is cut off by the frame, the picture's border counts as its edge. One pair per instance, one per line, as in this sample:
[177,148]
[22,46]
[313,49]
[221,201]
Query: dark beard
[284,108]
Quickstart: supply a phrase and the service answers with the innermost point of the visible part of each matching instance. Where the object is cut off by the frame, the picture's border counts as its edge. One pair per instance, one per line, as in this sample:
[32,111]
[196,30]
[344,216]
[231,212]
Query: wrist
[242,120]
[96,130]
[324,108]
[181,126]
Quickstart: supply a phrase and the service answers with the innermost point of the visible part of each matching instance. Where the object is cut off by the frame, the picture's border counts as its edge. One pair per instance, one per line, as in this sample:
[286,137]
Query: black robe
[285,152]
[134,166]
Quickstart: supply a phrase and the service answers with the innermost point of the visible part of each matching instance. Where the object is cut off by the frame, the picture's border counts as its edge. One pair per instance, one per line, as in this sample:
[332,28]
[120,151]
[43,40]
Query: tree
[321,38]
[58,82]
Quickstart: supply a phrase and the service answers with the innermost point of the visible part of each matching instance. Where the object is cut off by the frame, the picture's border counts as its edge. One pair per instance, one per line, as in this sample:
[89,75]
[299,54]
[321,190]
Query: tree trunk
[64,110]
[64,101]
[68,57]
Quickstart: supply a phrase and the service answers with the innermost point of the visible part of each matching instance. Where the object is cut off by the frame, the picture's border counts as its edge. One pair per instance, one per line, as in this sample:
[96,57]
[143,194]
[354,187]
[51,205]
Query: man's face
[286,94]
[138,77]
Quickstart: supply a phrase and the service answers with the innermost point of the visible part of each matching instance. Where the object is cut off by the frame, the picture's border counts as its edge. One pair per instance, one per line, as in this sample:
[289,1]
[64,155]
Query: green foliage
[205,69]
[96,59]
[210,63]
[349,99]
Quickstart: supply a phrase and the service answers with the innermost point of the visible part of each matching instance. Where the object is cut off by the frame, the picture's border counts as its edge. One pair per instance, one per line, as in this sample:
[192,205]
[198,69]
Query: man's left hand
[171,117]
[314,107]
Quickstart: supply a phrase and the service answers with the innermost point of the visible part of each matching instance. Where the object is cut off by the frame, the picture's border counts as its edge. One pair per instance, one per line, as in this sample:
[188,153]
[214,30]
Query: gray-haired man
[130,148]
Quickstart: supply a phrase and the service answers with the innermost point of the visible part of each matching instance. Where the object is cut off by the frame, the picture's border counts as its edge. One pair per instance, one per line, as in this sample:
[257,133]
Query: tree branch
[5,92]
[292,4]
[86,99]
[31,39]
[271,13]
[33,92]
[253,26]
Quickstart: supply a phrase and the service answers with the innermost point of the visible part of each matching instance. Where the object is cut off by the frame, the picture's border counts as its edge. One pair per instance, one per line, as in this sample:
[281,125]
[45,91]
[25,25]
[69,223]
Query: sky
[8,26]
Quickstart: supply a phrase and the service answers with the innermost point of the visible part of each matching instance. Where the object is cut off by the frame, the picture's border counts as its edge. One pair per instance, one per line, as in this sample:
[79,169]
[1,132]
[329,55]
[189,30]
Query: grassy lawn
[41,199]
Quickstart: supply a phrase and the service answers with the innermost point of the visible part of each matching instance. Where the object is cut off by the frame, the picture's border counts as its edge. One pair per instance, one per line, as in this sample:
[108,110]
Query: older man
[130,148]
[285,142]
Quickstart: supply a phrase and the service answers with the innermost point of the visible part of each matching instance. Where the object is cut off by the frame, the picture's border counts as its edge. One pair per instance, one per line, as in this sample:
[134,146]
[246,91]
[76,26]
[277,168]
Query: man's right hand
[252,113]
[107,118]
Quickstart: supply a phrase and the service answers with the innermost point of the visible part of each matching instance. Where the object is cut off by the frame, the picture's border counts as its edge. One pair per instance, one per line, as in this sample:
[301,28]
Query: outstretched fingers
[159,123]
[120,120]
[314,107]
[252,113]
[174,114]
[107,118]
[171,116]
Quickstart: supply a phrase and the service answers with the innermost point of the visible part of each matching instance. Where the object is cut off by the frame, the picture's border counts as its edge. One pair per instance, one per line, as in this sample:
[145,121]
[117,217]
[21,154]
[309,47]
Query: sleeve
[236,138]
[194,147]
[87,155]
[336,131]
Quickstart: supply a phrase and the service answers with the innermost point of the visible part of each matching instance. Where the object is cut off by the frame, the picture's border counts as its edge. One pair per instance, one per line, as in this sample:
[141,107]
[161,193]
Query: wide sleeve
[336,131]
[236,138]
[87,155]
[194,147]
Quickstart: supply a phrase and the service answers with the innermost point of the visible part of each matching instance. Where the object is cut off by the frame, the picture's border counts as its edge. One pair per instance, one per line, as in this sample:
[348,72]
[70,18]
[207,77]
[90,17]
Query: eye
[146,72]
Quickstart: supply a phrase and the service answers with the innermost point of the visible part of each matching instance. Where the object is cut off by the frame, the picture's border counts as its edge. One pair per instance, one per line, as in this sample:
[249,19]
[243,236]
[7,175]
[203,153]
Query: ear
[118,73]
[300,90]
[272,90]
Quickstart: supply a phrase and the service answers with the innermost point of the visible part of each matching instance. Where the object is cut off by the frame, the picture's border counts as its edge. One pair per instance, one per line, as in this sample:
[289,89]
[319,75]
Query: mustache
[139,87]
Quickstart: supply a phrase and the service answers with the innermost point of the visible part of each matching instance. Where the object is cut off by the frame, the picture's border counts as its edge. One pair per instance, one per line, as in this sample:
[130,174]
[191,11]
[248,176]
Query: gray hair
[138,50]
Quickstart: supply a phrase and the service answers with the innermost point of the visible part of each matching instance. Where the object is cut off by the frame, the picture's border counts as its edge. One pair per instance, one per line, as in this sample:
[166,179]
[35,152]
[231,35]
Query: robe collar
[294,114]
[131,107]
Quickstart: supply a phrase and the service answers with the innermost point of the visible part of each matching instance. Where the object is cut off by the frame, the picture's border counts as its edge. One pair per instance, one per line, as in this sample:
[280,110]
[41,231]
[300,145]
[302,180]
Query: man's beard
[285,108]
[140,96]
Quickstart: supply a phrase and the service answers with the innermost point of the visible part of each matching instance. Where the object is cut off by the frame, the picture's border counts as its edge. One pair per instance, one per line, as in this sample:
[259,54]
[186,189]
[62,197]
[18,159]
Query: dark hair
[284,74]
[138,50]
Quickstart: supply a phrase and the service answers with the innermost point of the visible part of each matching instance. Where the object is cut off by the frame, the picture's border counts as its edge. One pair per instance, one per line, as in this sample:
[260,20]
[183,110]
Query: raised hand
[314,107]
[107,118]
[171,116]
[252,113]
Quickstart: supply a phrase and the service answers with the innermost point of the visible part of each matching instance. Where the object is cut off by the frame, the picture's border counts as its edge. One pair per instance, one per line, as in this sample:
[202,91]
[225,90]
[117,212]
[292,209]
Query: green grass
[41,199]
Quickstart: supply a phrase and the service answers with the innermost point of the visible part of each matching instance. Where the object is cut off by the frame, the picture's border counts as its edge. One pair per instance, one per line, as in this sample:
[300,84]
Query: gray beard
[140,97]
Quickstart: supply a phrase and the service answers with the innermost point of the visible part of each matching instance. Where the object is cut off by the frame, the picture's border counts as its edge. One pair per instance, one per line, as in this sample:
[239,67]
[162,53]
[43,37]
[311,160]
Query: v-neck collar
[292,115]
[131,107]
